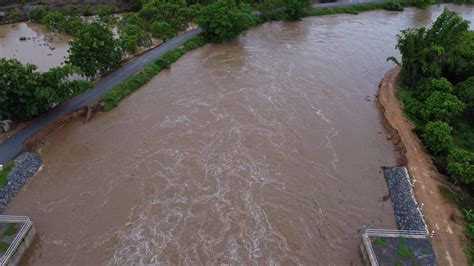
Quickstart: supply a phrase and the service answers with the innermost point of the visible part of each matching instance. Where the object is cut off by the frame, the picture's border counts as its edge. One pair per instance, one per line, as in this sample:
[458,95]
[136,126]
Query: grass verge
[463,201]
[4,173]
[113,97]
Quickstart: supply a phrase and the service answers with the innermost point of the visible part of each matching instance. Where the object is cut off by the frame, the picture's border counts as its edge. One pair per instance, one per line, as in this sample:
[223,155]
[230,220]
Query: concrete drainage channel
[17,232]
[410,244]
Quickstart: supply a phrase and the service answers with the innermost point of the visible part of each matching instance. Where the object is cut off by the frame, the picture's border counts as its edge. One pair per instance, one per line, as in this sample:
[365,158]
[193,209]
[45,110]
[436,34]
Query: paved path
[13,146]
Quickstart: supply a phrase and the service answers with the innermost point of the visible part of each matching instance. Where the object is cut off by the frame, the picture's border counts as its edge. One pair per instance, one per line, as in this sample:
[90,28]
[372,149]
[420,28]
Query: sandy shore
[449,237]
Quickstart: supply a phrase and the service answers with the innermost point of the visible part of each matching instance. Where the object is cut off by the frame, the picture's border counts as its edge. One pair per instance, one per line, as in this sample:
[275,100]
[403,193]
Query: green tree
[162,30]
[224,20]
[426,53]
[465,92]
[54,21]
[461,165]
[36,14]
[94,50]
[294,9]
[106,14]
[442,106]
[26,93]
[437,137]
[173,12]
[426,87]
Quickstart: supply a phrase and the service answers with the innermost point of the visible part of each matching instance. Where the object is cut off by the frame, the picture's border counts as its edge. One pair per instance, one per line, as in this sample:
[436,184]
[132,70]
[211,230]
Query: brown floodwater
[41,47]
[266,150]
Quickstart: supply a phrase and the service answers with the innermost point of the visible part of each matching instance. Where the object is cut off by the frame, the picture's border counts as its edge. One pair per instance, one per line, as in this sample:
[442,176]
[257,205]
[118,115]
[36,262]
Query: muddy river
[41,47]
[266,150]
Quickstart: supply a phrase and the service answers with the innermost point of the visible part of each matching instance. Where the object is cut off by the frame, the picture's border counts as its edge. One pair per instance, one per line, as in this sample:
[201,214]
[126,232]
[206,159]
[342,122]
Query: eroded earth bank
[266,150]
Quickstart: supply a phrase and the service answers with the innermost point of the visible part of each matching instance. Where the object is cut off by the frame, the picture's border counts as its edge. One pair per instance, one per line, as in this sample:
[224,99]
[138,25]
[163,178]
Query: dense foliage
[25,93]
[284,9]
[94,50]
[437,78]
[224,20]
[132,33]
[173,12]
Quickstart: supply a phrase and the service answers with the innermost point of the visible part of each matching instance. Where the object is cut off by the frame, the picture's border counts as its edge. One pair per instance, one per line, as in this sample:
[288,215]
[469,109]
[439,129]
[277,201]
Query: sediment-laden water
[265,150]
[39,47]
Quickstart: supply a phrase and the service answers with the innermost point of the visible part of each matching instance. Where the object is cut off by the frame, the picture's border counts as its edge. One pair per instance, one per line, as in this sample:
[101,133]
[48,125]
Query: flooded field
[40,47]
[266,150]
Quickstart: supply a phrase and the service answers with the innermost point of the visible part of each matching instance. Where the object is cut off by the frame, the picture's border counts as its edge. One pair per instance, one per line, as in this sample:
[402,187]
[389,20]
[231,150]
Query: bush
[36,14]
[442,106]
[4,173]
[465,92]
[162,30]
[94,50]
[175,13]
[426,87]
[461,165]
[393,6]
[437,137]
[294,9]
[223,20]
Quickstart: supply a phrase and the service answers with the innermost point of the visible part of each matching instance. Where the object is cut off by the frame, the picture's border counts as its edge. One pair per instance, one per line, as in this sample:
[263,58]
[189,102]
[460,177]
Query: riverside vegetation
[437,90]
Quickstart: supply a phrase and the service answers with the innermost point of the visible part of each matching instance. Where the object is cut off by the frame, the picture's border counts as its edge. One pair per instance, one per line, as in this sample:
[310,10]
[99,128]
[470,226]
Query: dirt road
[448,237]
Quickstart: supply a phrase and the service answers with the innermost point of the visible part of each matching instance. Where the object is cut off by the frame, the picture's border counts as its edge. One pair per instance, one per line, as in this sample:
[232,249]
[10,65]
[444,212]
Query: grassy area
[463,201]
[4,173]
[3,246]
[112,98]
[10,230]
[345,10]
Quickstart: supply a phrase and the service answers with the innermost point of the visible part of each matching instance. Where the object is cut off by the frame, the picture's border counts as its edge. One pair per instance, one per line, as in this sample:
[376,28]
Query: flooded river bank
[265,150]
[40,47]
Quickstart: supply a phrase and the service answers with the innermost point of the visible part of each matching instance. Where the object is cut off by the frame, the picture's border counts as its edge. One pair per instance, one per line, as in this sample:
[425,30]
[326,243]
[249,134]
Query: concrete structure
[21,241]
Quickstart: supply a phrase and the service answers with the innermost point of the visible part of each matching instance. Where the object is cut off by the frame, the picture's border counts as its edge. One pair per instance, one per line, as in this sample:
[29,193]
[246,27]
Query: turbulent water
[266,150]
[41,47]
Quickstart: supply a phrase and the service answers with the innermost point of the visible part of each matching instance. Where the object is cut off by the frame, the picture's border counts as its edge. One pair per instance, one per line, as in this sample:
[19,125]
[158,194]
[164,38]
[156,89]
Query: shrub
[224,20]
[175,13]
[4,173]
[294,9]
[36,14]
[437,137]
[393,6]
[426,87]
[461,165]
[94,50]
[442,106]
[465,92]
[162,30]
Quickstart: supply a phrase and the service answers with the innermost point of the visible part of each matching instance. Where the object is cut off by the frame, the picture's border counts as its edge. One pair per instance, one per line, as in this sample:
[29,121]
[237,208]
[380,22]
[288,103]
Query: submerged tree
[224,20]
[94,50]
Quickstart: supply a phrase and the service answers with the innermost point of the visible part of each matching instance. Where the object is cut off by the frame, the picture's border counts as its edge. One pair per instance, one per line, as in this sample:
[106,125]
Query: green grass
[113,97]
[3,246]
[405,252]
[4,173]
[10,230]
[345,10]
[462,200]
[380,243]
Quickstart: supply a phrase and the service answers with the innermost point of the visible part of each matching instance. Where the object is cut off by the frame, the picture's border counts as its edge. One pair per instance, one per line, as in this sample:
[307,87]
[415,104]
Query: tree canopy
[224,20]
[94,50]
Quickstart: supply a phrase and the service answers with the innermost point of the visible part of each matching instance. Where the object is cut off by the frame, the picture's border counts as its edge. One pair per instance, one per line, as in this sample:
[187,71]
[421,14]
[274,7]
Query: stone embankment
[26,166]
